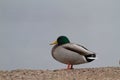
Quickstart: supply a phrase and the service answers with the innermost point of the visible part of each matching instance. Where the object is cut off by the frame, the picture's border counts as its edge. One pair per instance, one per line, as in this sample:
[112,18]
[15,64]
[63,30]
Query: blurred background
[27,27]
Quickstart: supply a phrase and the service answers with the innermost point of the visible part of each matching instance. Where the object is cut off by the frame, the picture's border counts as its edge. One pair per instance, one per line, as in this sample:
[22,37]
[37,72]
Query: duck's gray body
[71,53]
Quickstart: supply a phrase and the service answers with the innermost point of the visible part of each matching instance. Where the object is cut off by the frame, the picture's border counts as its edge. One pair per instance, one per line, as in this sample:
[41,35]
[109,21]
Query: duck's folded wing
[78,49]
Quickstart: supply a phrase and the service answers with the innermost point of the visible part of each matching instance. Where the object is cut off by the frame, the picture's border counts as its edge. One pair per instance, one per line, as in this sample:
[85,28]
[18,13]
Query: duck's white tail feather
[92,58]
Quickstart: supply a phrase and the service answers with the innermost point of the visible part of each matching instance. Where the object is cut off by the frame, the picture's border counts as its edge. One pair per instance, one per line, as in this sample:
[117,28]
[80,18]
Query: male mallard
[70,53]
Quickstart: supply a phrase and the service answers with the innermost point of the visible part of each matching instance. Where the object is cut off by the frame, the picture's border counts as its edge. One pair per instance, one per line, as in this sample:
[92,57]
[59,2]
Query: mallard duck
[70,53]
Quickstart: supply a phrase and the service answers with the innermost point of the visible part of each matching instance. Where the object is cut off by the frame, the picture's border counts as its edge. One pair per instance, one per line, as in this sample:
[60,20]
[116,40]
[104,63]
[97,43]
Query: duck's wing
[77,48]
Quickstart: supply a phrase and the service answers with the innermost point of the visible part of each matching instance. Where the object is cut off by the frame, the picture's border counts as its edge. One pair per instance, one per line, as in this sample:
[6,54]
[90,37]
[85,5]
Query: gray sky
[28,26]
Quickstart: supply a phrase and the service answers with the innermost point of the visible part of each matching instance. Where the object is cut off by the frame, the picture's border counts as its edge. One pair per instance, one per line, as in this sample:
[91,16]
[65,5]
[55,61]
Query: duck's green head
[61,40]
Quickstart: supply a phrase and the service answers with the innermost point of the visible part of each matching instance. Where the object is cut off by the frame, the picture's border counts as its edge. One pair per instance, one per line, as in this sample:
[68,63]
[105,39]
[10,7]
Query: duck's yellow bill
[55,42]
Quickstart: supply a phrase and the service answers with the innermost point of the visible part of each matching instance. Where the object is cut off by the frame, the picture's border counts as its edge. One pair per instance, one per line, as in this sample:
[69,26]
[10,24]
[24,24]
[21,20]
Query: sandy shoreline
[103,73]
